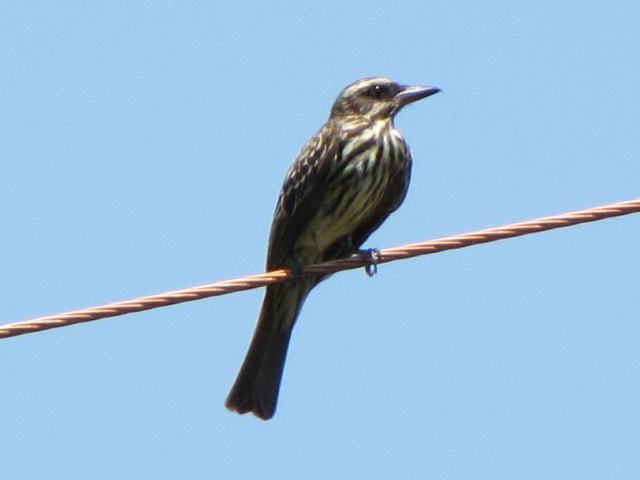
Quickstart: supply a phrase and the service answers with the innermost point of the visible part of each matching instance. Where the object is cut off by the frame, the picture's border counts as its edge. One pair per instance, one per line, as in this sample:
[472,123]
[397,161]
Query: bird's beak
[412,94]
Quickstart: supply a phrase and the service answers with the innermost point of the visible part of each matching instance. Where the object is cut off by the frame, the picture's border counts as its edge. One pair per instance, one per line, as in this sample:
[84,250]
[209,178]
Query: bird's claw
[372,257]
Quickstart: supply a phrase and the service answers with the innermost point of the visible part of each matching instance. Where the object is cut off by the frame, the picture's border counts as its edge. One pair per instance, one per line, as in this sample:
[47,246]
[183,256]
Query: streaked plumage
[342,185]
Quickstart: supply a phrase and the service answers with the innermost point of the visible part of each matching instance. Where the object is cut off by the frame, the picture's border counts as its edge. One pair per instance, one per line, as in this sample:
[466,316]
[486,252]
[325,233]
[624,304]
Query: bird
[346,180]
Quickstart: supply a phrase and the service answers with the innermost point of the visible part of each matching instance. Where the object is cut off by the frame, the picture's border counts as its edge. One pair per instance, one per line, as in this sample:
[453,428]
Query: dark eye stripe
[378,91]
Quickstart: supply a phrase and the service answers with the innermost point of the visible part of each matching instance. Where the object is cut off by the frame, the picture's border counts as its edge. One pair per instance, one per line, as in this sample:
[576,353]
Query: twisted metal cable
[356,261]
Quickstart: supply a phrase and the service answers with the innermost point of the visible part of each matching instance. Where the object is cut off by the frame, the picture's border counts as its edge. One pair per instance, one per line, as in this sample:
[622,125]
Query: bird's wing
[302,192]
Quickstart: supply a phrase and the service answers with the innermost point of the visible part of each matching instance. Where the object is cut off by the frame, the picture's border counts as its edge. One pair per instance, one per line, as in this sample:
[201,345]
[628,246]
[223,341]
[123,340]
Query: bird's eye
[377,91]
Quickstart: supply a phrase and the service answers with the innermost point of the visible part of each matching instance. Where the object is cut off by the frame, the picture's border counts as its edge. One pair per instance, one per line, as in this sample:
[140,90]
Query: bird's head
[377,98]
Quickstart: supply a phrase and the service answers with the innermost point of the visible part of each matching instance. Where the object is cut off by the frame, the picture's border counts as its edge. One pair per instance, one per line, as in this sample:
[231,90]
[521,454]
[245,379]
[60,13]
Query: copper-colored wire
[357,261]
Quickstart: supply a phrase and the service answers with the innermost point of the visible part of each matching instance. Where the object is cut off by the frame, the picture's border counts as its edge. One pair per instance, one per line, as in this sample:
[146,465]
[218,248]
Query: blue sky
[144,144]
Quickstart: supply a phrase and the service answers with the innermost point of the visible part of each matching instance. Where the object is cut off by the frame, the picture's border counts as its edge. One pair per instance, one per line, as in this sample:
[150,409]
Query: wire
[356,261]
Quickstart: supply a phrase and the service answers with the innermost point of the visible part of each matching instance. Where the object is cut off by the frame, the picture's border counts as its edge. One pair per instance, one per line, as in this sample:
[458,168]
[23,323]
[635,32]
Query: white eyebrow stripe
[363,84]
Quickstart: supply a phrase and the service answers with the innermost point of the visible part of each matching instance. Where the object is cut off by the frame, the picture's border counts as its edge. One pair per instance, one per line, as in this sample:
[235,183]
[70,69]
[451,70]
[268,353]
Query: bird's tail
[256,387]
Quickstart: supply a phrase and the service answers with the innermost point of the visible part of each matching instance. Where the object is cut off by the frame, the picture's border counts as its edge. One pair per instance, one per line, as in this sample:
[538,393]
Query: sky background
[143,148]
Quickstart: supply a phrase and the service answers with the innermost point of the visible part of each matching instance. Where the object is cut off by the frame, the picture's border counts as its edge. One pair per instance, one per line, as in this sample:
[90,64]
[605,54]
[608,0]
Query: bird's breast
[371,160]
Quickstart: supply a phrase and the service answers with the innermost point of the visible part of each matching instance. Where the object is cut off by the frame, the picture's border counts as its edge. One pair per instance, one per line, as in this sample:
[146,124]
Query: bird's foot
[372,257]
